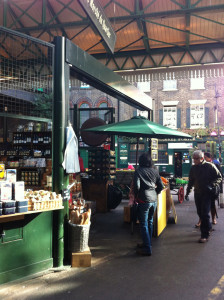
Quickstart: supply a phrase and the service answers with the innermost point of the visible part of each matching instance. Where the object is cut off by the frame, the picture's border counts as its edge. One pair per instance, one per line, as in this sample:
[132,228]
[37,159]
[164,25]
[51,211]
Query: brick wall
[183,94]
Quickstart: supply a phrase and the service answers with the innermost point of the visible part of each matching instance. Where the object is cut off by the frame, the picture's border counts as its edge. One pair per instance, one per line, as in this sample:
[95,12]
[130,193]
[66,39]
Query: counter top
[20,216]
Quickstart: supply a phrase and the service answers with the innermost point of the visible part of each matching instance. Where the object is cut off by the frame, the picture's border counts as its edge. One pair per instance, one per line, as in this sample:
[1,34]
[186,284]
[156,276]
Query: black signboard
[100,21]
[66,195]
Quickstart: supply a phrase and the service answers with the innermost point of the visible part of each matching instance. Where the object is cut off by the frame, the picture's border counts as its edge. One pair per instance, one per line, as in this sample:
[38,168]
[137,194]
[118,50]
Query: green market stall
[40,73]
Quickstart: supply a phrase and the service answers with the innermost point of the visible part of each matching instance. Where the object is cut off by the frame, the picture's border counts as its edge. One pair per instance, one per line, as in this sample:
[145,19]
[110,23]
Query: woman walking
[147,185]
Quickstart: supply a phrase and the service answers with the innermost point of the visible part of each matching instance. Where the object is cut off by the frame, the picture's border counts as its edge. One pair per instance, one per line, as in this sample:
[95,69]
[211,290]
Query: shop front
[35,93]
[178,158]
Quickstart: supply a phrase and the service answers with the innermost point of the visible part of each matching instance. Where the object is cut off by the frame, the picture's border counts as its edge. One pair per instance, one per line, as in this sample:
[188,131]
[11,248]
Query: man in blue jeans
[147,184]
[203,176]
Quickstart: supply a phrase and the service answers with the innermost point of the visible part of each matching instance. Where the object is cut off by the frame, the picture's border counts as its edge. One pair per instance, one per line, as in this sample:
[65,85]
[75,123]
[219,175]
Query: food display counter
[28,234]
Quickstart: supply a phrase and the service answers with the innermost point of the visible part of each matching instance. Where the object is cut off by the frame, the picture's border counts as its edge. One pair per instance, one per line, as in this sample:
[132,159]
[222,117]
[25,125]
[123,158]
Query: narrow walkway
[180,267]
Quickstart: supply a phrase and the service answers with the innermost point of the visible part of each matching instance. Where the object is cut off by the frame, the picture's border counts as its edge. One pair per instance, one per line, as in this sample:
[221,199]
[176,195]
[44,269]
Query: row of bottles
[41,139]
[35,138]
[20,138]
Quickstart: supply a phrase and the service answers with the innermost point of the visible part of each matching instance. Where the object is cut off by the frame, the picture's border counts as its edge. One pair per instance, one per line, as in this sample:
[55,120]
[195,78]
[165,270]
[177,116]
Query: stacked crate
[102,164]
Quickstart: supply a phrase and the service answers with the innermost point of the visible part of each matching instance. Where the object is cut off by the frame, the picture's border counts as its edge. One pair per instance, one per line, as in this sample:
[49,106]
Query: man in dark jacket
[203,176]
[208,158]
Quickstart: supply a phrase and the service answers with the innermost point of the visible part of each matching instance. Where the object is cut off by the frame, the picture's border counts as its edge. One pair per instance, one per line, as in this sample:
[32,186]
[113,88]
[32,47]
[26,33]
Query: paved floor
[180,267]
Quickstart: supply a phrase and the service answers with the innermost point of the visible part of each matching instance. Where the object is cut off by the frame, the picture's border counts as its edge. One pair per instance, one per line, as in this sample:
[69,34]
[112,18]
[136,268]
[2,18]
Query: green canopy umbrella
[139,127]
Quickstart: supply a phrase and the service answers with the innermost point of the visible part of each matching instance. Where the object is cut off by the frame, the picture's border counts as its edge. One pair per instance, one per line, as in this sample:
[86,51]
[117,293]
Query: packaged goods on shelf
[8,211]
[8,203]
[11,175]
[18,190]
[22,209]
[23,202]
[5,190]
[2,171]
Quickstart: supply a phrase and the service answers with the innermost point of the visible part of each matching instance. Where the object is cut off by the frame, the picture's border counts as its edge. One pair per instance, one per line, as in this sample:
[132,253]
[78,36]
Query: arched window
[102,112]
[84,115]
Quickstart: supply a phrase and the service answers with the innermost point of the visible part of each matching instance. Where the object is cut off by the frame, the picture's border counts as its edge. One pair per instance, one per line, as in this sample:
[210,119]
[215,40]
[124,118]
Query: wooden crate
[127,214]
[81,259]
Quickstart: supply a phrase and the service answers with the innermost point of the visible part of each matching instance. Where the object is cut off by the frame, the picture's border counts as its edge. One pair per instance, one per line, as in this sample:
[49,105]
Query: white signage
[180,145]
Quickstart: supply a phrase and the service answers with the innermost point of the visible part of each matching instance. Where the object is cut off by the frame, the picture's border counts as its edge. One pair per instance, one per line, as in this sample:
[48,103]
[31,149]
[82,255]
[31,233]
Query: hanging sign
[154,155]
[154,144]
[100,21]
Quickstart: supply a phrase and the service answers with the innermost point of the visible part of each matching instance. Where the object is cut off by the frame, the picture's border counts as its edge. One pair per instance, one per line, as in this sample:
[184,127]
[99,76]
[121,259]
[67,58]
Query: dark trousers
[203,205]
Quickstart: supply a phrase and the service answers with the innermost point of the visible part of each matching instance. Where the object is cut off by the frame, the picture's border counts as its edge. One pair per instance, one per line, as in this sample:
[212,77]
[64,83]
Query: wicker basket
[78,237]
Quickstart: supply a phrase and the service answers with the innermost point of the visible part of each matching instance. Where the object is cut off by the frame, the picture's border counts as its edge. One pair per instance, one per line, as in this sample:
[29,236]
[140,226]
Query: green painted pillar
[60,180]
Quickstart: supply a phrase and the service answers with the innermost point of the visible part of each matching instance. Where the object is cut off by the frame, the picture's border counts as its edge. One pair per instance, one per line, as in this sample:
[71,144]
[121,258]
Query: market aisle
[180,268]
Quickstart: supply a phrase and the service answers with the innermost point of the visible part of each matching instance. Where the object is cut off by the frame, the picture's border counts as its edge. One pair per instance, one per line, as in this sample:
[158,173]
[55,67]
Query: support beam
[60,122]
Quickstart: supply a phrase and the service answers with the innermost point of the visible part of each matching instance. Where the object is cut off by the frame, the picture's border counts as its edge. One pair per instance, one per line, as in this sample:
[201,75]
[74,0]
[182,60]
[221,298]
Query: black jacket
[147,184]
[202,176]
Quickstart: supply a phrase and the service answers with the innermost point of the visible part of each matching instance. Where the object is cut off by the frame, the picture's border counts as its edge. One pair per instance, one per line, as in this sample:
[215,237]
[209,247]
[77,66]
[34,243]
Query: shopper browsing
[147,184]
[203,177]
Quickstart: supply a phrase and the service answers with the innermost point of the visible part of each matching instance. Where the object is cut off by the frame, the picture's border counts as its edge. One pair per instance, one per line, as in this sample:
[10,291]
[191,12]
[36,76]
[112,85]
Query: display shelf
[20,216]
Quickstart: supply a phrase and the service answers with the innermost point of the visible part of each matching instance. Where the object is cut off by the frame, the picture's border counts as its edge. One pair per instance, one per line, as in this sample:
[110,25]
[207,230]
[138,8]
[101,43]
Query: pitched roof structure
[149,33]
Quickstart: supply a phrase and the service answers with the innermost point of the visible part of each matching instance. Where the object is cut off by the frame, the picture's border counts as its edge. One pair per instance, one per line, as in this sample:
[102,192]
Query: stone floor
[180,267]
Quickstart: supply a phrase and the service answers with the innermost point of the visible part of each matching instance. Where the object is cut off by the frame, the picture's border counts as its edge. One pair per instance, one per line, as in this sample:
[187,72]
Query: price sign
[154,144]
[66,195]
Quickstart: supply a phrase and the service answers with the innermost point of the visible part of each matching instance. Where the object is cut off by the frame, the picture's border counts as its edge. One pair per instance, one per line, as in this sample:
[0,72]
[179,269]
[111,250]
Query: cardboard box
[81,259]
[11,175]
[18,190]
[5,190]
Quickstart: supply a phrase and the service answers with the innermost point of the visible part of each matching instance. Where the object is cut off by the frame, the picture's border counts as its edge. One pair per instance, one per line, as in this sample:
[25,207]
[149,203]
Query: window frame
[197,103]
[196,84]
[164,113]
[166,88]
[142,86]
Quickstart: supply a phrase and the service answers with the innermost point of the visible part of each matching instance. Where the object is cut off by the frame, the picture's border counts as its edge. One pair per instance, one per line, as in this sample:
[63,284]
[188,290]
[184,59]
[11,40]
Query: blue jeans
[145,217]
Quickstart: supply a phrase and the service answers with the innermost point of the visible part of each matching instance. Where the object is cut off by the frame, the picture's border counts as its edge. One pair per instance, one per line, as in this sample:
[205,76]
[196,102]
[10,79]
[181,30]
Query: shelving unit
[35,143]
[28,145]
[102,164]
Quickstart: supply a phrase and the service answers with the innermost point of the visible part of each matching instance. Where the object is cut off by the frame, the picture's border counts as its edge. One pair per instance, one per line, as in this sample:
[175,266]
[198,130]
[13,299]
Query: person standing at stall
[208,158]
[147,184]
[203,177]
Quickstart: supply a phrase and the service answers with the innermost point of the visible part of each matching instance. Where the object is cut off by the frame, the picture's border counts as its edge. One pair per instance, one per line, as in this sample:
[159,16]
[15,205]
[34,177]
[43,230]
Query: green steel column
[60,121]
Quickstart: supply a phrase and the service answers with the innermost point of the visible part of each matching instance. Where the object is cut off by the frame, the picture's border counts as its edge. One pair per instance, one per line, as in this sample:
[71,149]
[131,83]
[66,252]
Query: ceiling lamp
[222,132]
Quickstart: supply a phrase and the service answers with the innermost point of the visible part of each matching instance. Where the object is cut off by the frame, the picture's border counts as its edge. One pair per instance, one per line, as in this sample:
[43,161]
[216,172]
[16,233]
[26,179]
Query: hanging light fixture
[222,132]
